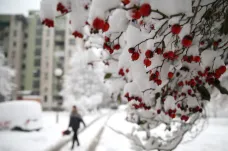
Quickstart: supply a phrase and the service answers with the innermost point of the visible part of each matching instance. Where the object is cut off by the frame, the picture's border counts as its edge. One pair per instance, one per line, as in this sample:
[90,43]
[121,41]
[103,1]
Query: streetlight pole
[58,74]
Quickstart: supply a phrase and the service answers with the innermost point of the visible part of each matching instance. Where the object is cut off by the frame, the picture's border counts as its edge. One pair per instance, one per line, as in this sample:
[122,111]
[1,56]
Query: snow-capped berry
[136,14]
[187,41]
[131,50]
[116,47]
[147,62]
[149,54]
[175,29]
[145,9]
[189,91]
[98,23]
[105,27]
[135,56]
[170,75]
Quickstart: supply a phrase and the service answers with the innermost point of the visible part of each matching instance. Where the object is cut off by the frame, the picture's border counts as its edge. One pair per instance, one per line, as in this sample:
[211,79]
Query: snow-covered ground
[39,141]
[213,138]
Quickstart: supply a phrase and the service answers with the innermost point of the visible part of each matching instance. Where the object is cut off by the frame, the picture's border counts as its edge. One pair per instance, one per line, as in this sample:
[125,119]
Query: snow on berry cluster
[169,53]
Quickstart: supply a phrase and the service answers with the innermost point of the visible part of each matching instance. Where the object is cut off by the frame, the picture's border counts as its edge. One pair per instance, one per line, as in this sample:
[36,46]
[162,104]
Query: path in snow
[86,137]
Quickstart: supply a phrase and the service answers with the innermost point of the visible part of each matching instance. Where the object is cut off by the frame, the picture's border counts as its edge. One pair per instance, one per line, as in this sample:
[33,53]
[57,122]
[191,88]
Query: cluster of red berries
[62,8]
[77,34]
[190,59]
[48,22]
[100,24]
[148,54]
[218,72]
[144,10]
[170,55]
[171,113]
[121,71]
[134,55]
[107,45]
[195,109]
[155,77]
[184,118]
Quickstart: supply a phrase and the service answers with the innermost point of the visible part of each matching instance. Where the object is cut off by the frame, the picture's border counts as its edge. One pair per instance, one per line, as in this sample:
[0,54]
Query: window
[25,45]
[39,32]
[14,44]
[38,41]
[37,62]
[26,35]
[36,93]
[24,56]
[23,66]
[45,98]
[15,33]
[38,52]
[22,87]
[36,73]
[36,84]
[72,41]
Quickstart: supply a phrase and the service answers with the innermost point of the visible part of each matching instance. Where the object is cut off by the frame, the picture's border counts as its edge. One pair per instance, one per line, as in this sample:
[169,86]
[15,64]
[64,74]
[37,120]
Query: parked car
[20,115]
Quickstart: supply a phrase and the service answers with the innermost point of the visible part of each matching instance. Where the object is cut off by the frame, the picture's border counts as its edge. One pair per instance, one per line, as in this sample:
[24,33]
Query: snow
[41,140]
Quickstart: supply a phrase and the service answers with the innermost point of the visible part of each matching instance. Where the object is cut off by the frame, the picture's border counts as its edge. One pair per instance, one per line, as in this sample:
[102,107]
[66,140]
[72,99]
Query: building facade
[34,51]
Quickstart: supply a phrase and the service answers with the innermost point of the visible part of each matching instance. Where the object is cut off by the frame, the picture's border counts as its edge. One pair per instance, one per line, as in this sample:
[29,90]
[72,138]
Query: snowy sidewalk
[88,136]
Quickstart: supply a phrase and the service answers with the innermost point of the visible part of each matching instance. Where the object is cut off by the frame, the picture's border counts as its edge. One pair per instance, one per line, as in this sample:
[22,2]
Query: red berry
[158,111]
[136,14]
[121,72]
[149,54]
[180,83]
[125,2]
[187,41]
[197,59]
[202,43]
[127,70]
[145,9]
[117,46]
[77,34]
[176,29]
[48,22]
[135,56]
[170,75]
[173,115]
[215,43]
[131,50]
[98,23]
[126,95]
[178,105]
[157,73]
[158,51]
[147,62]
[111,51]
[107,39]
[171,55]
[166,55]
[105,27]
[190,92]
[222,69]
[158,81]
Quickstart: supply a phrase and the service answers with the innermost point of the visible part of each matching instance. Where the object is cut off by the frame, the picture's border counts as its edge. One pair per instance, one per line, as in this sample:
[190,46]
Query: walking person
[75,120]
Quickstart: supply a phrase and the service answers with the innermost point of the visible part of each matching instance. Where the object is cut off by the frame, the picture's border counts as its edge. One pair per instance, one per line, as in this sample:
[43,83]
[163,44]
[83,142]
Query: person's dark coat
[75,120]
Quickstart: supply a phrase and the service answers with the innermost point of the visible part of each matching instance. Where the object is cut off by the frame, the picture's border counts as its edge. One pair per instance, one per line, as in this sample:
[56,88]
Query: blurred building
[35,51]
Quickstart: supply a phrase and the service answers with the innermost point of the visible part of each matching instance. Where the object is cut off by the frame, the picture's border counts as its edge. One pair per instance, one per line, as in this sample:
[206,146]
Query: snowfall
[105,131]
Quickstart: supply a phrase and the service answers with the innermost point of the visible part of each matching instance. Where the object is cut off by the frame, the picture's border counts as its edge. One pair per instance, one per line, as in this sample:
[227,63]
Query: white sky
[18,6]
